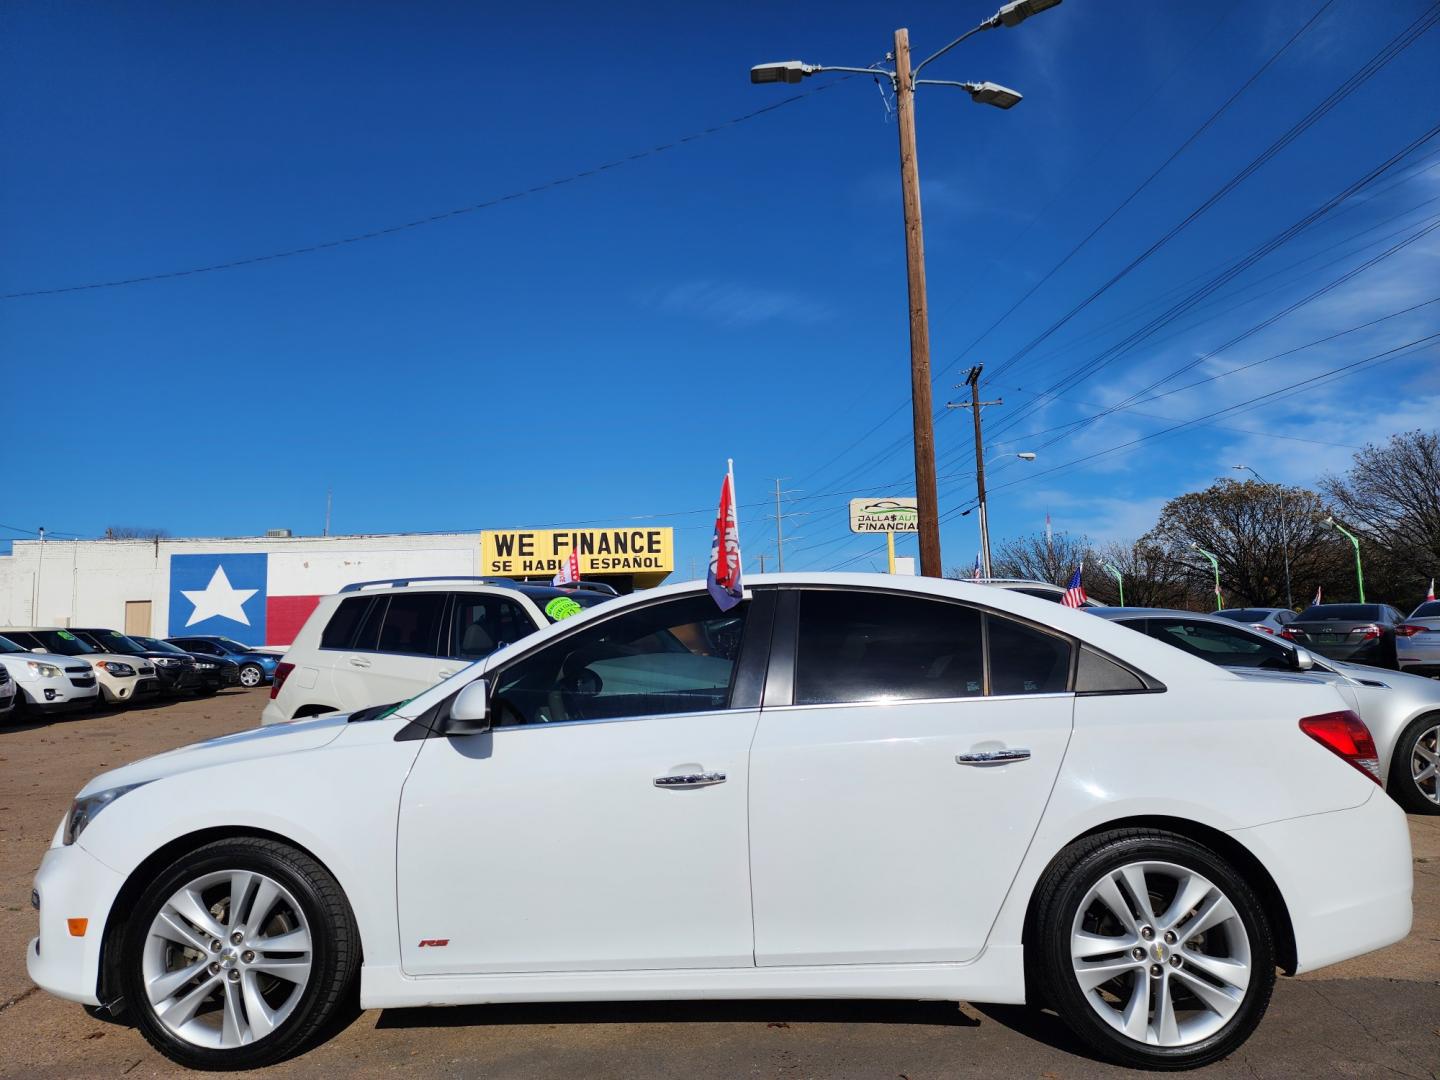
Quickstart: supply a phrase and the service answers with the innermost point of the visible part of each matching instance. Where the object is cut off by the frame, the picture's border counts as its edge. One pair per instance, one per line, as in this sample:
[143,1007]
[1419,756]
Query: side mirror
[1303,660]
[37,649]
[470,711]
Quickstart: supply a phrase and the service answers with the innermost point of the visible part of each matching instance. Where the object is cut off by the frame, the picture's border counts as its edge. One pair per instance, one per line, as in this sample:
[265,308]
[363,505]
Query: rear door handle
[993,757]
[359,661]
[690,780]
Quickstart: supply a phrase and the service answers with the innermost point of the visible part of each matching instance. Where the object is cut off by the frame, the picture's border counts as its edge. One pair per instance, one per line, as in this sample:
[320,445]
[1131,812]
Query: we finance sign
[522,552]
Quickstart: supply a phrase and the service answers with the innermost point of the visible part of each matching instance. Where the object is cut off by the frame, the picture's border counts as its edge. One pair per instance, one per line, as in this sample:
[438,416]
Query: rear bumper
[1346,878]
[71,884]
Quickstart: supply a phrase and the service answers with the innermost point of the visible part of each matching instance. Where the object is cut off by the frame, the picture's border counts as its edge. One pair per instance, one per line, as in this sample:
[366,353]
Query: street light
[1285,537]
[903,81]
[1025,455]
[1355,540]
[1214,562]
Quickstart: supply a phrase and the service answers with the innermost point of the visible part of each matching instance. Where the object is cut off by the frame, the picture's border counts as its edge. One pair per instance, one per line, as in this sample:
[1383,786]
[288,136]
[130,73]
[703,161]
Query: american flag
[1074,591]
[976,575]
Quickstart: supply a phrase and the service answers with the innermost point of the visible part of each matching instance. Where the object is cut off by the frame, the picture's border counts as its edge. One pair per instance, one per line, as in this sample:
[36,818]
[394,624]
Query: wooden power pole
[927,502]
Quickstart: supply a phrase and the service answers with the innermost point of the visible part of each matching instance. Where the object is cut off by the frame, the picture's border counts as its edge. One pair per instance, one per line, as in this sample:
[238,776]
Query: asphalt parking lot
[1378,1015]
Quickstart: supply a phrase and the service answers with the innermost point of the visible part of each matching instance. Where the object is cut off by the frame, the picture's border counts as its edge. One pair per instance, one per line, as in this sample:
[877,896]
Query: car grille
[83,681]
[147,671]
[83,669]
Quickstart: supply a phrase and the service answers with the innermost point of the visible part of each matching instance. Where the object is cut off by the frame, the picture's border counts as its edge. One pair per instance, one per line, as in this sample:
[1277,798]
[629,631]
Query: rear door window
[412,624]
[1024,660]
[344,621]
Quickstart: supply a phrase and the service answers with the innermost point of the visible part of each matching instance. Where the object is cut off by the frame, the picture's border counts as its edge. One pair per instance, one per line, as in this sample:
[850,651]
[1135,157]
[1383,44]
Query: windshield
[115,642]
[230,646]
[156,645]
[1340,612]
[1428,610]
[6,645]
[1245,614]
[62,642]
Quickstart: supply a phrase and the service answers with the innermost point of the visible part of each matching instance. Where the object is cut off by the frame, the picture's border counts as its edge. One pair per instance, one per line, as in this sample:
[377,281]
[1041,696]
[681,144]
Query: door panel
[549,847]
[870,844]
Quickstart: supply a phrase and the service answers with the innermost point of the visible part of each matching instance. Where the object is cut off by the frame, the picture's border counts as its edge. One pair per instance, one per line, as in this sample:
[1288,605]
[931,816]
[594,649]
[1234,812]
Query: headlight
[84,809]
[42,671]
[204,665]
[163,661]
[115,667]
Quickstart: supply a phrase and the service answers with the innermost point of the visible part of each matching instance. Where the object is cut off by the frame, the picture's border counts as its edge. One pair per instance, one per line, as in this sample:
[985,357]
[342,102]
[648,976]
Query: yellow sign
[535,552]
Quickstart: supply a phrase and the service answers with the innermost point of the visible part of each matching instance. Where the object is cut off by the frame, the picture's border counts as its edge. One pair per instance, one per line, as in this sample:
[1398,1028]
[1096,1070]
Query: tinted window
[672,657]
[367,639]
[1043,594]
[156,645]
[1250,615]
[340,630]
[1024,660]
[1341,612]
[481,624]
[1428,610]
[8,646]
[866,646]
[59,641]
[231,645]
[113,641]
[197,646]
[1222,645]
[412,624]
[1096,674]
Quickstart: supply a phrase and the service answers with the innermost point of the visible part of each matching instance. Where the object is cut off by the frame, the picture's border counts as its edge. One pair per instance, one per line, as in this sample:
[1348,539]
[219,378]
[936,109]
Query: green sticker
[66,635]
[562,607]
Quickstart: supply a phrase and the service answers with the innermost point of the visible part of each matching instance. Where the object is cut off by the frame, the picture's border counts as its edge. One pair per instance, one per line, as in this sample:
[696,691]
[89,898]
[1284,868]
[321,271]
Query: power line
[431,219]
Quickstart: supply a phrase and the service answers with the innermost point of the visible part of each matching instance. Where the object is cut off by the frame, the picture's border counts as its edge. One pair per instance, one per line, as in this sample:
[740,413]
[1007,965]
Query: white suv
[377,642]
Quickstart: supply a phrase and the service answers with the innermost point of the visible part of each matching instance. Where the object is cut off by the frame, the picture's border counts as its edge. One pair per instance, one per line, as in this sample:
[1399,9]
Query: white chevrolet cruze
[847,786]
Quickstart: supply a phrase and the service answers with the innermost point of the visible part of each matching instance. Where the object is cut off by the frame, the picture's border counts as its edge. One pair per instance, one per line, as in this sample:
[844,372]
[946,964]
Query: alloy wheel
[250,675]
[1160,953]
[1423,759]
[227,959]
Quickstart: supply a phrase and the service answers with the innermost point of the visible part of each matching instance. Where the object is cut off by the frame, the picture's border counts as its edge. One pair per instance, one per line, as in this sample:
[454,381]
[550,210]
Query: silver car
[1402,711]
[1417,642]
[1268,620]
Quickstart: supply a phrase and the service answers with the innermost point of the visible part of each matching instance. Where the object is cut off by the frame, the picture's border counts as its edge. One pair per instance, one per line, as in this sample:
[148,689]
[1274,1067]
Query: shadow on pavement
[934,1013]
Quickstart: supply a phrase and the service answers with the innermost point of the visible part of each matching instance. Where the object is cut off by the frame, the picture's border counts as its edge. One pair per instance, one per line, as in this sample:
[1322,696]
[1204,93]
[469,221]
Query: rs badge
[434,943]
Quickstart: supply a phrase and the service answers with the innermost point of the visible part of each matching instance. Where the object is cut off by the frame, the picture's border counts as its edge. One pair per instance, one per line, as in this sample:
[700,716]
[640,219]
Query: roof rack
[589,586]
[400,583]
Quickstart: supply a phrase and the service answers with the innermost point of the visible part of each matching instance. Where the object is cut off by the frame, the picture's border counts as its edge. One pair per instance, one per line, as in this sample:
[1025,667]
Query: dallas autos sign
[883,515]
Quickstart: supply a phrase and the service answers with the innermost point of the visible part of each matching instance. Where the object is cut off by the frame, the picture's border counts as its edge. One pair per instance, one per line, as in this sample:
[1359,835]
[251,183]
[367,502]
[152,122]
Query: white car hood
[248,745]
[57,659]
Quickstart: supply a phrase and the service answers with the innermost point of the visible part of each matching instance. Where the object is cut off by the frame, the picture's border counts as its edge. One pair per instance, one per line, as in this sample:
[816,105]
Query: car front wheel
[238,955]
[251,675]
[1154,950]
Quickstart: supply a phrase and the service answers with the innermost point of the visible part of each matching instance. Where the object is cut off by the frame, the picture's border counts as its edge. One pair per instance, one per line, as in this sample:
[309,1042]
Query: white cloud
[736,304]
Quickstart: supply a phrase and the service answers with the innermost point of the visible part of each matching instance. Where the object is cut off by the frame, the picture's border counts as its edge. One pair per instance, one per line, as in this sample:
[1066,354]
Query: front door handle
[690,780]
[359,661]
[993,757]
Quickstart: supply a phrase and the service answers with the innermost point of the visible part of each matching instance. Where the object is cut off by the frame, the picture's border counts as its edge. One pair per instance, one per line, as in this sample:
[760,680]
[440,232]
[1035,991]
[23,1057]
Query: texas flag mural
[264,599]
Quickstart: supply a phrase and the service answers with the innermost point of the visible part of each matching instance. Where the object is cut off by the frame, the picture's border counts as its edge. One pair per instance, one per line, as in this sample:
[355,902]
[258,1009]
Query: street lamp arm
[818,68]
[994,20]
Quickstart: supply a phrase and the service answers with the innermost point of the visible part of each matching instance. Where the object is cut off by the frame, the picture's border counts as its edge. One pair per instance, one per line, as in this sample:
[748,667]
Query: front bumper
[71,884]
[118,688]
[60,692]
[1346,878]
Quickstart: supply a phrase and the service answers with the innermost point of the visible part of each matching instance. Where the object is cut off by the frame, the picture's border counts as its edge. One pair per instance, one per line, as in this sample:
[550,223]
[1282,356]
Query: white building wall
[87,582]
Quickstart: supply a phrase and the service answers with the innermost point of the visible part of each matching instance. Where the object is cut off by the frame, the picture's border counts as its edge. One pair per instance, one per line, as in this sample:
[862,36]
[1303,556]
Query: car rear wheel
[1153,950]
[1412,768]
[251,675]
[238,955]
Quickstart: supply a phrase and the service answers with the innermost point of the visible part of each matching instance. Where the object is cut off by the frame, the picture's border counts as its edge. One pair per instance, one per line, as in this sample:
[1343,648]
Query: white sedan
[847,786]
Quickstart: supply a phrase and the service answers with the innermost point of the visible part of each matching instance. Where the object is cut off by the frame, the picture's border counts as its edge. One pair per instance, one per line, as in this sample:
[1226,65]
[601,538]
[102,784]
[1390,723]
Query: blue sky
[593,352]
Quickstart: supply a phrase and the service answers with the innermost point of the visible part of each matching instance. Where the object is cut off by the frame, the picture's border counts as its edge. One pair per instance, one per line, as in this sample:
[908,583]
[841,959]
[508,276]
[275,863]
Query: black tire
[256,672]
[1402,786]
[335,951]
[1061,891]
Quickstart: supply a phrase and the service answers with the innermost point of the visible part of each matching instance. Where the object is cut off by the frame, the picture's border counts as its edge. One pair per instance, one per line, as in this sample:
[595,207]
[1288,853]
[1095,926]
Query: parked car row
[51,669]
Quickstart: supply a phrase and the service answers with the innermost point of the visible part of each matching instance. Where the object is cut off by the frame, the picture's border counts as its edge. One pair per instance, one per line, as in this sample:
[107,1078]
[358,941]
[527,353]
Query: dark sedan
[213,673]
[1355,633]
[177,675]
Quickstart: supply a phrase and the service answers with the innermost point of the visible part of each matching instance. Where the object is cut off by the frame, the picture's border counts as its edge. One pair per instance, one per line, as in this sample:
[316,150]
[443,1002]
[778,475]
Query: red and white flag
[724,578]
[569,572]
[1431,594]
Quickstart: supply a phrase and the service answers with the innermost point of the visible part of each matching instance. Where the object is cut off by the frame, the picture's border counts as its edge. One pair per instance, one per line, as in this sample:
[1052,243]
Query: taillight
[1262,628]
[282,672]
[1409,630]
[1292,635]
[1371,632]
[1345,734]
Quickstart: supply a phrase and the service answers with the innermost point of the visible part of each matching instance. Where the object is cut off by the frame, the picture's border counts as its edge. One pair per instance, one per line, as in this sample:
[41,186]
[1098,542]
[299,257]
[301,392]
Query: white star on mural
[218,598]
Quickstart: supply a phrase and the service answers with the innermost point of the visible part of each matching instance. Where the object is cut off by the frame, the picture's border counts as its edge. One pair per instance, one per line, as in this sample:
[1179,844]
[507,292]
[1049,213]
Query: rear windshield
[1428,610]
[1340,612]
[1245,614]
[560,604]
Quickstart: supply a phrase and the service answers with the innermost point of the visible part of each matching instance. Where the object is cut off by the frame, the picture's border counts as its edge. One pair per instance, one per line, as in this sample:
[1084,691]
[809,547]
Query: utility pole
[328,493]
[780,538]
[39,569]
[927,501]
[975,405]
[761,557]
